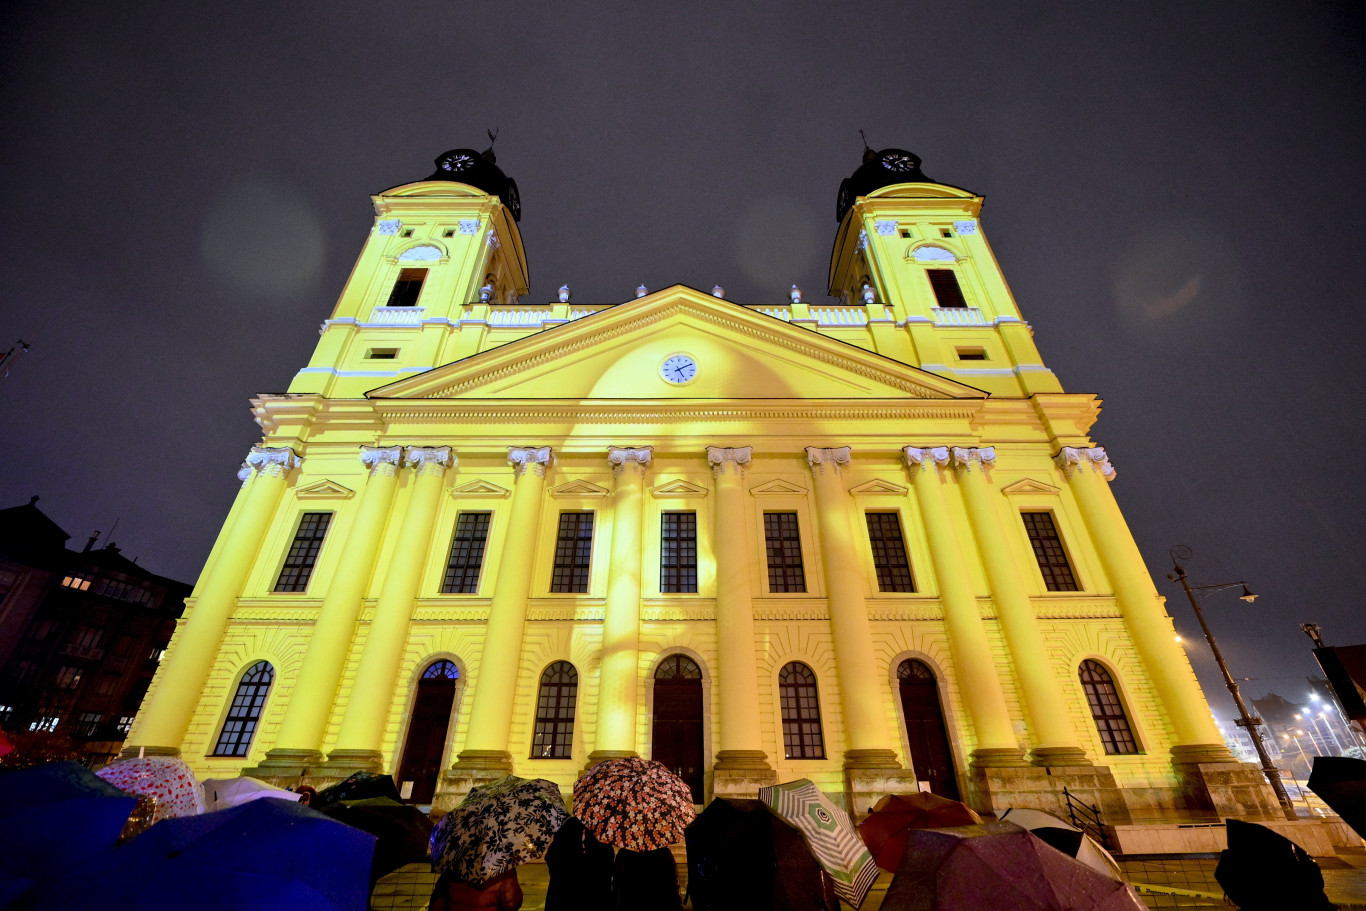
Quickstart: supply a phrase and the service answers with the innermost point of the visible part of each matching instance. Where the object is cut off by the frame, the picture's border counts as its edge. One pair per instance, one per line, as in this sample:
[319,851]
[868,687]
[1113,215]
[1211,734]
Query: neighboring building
[866,541]
[81,633]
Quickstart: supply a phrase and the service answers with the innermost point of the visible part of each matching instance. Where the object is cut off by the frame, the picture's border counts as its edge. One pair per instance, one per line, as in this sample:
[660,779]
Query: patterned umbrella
[165,779]
[634,803]
[828,833]
[887,828]
[496,828]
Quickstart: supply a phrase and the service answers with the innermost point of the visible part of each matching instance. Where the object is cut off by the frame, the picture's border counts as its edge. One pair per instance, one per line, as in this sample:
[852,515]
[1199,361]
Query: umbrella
[828,833]
[360,786]
[998,865]
[633,803]
[1262,869]
[1341,783]
[742,858]
[889,825]
[1066,837]
[496,828]
[402,830]
[165,779]
[263,855]
[221,793]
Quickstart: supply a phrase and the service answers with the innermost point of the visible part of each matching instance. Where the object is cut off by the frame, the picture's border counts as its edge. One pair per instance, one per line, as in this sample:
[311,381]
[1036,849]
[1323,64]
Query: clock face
[460,161]
[894,161]
[678,369]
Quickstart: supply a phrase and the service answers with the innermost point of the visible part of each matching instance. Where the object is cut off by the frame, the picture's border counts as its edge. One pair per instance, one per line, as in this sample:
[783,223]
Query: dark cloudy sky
[1173,190]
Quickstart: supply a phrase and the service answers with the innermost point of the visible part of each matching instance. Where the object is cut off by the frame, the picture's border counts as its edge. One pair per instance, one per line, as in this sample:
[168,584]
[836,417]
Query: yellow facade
[883,400]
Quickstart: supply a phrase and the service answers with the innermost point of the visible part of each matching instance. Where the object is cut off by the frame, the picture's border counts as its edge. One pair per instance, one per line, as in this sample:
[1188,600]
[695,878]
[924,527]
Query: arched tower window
[245,712]
[801,711]
[1106,709]
[554,734]
[444,669]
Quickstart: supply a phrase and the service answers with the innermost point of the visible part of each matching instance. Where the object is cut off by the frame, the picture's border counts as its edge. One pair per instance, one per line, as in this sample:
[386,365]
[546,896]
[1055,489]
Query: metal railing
[1085,817]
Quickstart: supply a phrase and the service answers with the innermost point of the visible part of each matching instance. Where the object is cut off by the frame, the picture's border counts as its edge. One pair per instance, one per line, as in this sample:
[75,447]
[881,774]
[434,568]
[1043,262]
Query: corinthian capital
[964,458]
[637,458]
[1072,460]
[818,459]
[925,457]
[536,458]
[271,461]
[431,459]
[381,460]
[738,459]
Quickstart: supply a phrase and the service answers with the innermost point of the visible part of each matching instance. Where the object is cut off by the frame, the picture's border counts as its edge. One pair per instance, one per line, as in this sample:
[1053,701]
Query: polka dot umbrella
[165,779]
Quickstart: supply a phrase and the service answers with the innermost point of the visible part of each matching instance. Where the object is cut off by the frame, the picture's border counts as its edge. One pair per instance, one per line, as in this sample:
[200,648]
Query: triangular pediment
[778,488]
[678,489]
[1029,485]
[878,487]
[479,488]
[579,488]
[618,353]
[324,490]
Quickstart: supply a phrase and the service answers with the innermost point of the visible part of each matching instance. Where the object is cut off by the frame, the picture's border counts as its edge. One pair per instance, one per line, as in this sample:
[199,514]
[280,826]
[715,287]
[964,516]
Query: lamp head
[1247,595]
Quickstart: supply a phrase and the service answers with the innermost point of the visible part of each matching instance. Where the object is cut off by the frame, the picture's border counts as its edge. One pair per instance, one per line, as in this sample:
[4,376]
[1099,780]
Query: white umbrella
[221,793]
[1089,851]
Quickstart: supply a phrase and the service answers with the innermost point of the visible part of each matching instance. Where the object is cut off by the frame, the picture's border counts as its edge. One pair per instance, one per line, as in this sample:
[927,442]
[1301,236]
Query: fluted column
[495,685]
[616,735]
[165,715]
[1088,472]
[973,664]
[1055,741]
[741,740]
[367,706]
[299,742]
[862,692]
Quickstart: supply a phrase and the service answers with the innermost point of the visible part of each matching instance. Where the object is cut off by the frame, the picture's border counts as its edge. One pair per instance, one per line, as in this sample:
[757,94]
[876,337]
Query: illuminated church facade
[868,541]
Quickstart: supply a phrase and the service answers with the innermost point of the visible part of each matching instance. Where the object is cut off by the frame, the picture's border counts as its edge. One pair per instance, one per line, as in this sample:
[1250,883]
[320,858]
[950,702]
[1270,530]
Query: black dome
[479,170]
[879,169]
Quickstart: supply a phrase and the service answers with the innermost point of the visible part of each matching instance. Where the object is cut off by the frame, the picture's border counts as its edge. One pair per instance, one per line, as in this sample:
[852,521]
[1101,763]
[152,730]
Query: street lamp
[1246,719]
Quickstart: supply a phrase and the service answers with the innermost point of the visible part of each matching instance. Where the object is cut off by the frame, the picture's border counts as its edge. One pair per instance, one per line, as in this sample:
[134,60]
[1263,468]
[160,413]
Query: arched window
[554,734]
[244,714]
[678,667]
[444,669]
[801,711]
[1106,708]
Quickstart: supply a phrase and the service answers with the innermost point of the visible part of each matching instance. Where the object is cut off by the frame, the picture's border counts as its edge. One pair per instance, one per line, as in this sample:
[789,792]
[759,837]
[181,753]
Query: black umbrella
[1340,782]
[1262,869]
[580,869]
[401,830]
[360,786]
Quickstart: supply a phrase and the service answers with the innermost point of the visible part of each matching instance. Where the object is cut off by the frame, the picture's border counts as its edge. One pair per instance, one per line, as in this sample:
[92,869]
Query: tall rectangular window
[303,553]
[946,289]
[1048,550]
[889,553]
[467,553]
[407,288]
[678,552]
[573,553]
[784,542]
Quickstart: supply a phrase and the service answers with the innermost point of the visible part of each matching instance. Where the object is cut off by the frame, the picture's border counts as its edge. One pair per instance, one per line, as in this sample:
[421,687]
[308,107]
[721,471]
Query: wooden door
[424,749]
[929,739]
[677,733]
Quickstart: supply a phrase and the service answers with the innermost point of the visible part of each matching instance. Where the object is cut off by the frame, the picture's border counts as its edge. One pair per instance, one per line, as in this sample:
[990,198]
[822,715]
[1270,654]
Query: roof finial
[488,153]
[867,152]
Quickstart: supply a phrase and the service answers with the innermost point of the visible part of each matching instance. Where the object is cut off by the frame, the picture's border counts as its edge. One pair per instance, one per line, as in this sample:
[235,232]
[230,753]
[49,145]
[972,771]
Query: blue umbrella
[263,855]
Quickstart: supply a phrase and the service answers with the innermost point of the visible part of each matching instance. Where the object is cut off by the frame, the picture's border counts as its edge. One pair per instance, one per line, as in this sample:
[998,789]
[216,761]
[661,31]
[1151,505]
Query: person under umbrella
[359,786]
[1262,870]
[1340,781]
[165,779]
[828,833]
[493,830]
[645,881]
[886,829]
[401,830]
[634,803]
[580,870]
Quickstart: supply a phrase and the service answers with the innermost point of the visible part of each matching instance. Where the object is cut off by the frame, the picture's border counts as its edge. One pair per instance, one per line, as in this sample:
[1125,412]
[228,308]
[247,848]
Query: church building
[865,539]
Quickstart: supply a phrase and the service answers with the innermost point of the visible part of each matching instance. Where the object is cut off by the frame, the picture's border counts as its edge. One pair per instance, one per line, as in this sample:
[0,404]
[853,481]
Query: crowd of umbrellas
[144,833]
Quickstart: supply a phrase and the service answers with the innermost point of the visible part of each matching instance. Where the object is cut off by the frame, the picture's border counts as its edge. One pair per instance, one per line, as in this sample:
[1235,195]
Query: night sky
[1173,190]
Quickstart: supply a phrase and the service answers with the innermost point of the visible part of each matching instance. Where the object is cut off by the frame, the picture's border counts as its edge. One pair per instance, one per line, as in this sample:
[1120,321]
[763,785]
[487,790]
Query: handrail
[1085,817]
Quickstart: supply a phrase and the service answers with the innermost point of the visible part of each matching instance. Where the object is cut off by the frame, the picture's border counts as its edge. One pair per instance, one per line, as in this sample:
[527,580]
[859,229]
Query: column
[862,691]
[973,664]
[1055,742]
[361,737]
[741,741]
[166,713]
[1088,471]
[495,686]
[616,735]
[310,703]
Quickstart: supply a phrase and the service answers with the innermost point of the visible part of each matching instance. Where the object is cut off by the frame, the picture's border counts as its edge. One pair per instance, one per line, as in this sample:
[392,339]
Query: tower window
[1106,709]
[889,553]
[407,288]
[972,354]
[554,734]
[801,711]
[449,232]
[573,553]
[381,354]
[467,553]
[678,552]
[945,232]
[905,233]
[946,289]
[407,232]
[303,552]
[784,545]
[1048,550]
[245,712]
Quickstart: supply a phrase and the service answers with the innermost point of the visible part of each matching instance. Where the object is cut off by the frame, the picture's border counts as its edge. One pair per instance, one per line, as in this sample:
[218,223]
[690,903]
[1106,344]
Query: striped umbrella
[633,803]
[828,833]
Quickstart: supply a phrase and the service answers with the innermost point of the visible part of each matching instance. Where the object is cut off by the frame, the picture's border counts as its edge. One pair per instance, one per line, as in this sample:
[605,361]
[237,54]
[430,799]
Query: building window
[785,572]
[44,629]
[467,553]
[1048,550]
[22,671]
[108,683]
[678,552]
[125,724]
[407,288]
[444,669]
[946,289]
[68,678]
[303,553]
[889,553]
[45,723]
[87,722]
[801,712]
[87,637]
[554,735]
[6,712]
[573,553]
[245,711]
[80,583]
[1106,708]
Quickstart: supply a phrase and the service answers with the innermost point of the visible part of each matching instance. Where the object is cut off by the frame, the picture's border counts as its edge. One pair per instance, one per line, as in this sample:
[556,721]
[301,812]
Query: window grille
[303,552]
[889,553]
[784,544]
[947,291]
[554,733]
[467,553]
[573,553]
[678,552]
[245,712]
[1106,709]
[801,712]
[1048,550]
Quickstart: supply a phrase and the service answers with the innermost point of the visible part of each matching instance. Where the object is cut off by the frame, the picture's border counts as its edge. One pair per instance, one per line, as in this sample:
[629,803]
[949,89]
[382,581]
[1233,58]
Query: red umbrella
[889,826]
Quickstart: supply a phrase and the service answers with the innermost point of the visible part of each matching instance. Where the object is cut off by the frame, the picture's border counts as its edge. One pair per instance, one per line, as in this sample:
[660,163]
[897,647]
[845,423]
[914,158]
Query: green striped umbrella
[828,833]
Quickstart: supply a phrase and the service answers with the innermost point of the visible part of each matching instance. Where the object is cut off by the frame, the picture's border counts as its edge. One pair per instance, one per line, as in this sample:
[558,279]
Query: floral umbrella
[497,827]
[633,803]
[828,834]
[165,779]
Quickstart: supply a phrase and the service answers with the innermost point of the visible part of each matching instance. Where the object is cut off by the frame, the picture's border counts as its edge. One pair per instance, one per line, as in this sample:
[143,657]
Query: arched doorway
[425,747]
[925,728]
[677,735]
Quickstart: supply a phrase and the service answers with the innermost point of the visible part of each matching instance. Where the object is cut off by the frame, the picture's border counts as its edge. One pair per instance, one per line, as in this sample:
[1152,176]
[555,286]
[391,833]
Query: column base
[345,763]
[742,759]
[870,759]
[285,763]
[598,756]
[864,786]
[1059,756]
[996,788]
[1226,786]
[998,758]
[741,773]
[133,751]
[472,769]
[482,761]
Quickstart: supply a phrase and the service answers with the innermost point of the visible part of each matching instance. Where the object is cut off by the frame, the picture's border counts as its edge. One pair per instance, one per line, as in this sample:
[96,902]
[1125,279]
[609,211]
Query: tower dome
[479,170]
[879,169]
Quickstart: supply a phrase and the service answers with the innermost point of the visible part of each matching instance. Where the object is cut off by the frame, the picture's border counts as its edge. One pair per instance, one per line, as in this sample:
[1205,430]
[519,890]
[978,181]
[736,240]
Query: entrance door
[677,736]
[929,739]
[426,743]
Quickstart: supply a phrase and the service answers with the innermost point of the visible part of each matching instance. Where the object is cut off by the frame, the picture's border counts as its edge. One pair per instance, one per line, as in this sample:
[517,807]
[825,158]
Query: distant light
[1177,637]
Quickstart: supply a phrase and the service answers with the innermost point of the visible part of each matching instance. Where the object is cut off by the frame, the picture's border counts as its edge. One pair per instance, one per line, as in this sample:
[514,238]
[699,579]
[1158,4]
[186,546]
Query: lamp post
[1245,719]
